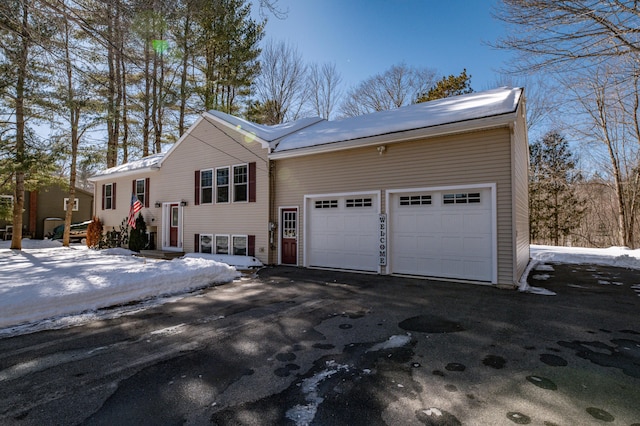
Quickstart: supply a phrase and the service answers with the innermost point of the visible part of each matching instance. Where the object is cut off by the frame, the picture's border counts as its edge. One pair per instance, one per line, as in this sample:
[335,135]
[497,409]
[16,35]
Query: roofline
[180,139]
[124,173]
[485,123]
[265,144]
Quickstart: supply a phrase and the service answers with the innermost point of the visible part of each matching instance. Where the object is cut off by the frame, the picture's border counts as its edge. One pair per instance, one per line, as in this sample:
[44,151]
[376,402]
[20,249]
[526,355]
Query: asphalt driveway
[294,346]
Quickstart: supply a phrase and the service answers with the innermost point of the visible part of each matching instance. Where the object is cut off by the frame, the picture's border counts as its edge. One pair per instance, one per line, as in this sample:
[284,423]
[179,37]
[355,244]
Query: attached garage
[436,189]
[341,231]
[448,233]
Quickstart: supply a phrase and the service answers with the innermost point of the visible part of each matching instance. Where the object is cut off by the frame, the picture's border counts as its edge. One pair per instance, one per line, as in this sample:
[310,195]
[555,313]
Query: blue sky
[366,37]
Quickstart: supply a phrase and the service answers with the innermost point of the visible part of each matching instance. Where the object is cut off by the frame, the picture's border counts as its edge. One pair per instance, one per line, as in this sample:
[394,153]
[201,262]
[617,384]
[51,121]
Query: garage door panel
[343,237]
[450,240]
[451,245]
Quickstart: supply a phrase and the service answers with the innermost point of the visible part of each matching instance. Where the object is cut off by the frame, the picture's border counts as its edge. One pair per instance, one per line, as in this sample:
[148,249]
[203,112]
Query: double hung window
[206,186]
[222,185]
[240,183]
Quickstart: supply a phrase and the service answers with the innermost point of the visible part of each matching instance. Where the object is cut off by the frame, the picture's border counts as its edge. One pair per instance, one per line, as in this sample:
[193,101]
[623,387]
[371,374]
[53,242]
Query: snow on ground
[621,257]
[49,286]
[46,280]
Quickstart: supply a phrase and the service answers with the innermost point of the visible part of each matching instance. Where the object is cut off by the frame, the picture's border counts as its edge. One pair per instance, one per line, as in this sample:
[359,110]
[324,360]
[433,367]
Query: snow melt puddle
[544,268]
[541,277]
[304,414]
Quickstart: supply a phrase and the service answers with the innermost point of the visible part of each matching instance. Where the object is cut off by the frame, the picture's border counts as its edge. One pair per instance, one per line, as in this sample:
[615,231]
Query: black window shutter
[251,245]
[113,196]
[196,244]
[197,186]
[103,193]
[146,192]
[252,182]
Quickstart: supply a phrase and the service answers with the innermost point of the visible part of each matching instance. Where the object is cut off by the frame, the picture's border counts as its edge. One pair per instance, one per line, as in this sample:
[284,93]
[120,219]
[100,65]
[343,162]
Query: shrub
[94,233]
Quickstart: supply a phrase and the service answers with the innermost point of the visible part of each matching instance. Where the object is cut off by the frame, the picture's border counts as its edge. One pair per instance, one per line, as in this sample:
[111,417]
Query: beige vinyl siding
[207,147]
[521,193]
[113,218]
[464,159]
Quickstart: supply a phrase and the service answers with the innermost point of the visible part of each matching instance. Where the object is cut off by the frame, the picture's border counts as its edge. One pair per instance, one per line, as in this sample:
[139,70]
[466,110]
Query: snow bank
[44,282]
[621,257]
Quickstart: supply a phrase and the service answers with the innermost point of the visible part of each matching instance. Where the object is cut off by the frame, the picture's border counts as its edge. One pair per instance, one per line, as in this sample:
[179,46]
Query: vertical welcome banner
[382,234]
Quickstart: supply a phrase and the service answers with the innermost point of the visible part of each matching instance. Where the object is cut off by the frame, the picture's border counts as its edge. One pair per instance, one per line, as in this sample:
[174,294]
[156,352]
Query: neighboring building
[437,189]
[44,209]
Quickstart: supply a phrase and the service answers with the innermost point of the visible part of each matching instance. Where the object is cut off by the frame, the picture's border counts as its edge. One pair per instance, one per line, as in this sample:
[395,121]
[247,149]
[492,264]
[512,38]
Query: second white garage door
[445,234]
[342,232]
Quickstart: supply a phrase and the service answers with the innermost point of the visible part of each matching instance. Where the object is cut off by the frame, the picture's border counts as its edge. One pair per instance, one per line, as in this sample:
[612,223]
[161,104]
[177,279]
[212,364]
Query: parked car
[78,231]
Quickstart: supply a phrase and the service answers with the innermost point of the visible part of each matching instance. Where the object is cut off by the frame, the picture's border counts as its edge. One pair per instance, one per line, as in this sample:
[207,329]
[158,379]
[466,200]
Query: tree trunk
[18,206]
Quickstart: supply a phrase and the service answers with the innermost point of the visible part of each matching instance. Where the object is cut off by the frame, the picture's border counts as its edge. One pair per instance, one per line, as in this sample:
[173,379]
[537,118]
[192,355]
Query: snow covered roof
[266,133]
[450,110]
[145,163]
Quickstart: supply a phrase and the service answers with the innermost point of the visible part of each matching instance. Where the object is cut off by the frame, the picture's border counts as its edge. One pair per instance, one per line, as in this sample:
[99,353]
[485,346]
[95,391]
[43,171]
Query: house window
[206,243]
[240,183]
[6,202]
[466,198]
[140,191]
[415,200]
[206,186]
[326,204]
[75,204]
[359,202]
[108,197]
[239,245]
[222,244]
[222,185]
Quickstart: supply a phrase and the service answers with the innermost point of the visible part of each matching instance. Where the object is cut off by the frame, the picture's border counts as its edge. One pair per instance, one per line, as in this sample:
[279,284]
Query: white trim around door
[172,226]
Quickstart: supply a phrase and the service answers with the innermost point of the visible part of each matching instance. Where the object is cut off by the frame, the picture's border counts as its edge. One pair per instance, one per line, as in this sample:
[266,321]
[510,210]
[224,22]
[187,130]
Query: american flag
[136,206]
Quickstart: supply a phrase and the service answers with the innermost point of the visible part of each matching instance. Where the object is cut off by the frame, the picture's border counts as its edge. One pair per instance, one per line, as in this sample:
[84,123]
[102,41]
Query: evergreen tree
[452,85]
[138,235]
[554,208]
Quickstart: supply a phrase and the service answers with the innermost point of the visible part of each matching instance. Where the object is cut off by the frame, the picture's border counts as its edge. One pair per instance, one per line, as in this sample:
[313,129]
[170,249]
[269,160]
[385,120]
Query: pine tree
[138,235]
[554,208]
[452,85]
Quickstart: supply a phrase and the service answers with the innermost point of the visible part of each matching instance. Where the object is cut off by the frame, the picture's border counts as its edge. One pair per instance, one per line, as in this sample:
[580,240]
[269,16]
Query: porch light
[158,204]
[183,203]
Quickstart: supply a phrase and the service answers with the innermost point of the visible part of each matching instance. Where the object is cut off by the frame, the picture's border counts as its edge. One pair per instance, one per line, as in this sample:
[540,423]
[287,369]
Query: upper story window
[109,196]
[206,186]
[232,184]
[141,191]
[222,185]
[240,183]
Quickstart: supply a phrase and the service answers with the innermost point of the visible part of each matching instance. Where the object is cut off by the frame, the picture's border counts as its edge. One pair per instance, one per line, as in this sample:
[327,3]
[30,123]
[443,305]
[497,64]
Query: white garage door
[342,232]
[443,234]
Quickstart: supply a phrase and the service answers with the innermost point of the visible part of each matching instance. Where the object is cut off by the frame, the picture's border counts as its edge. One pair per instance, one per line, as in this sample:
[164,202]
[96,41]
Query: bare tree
[568,34]
[592,47]
[396,87]
[324,89]
[281,85]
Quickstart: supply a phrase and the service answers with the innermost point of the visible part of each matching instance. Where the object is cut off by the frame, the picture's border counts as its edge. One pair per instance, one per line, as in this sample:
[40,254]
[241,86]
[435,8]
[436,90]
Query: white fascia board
[239,129]
[402,136]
